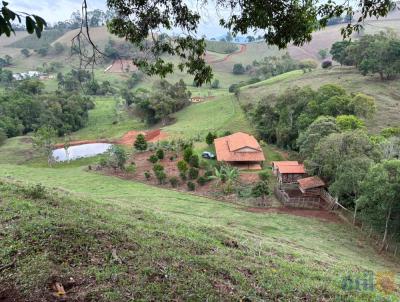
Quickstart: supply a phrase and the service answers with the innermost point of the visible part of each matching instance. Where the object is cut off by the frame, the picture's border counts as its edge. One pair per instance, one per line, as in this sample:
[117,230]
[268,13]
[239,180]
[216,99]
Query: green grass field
[386,93]
[170,245]
[101,121]
[220,114]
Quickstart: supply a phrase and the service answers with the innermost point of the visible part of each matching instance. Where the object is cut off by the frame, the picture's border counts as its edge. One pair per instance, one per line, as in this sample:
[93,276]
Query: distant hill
[32,42]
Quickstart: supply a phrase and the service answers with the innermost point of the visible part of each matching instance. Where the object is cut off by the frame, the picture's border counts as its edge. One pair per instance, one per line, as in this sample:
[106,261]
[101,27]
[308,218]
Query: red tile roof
[311,182]
[238,147]
[278,164]
[299,169]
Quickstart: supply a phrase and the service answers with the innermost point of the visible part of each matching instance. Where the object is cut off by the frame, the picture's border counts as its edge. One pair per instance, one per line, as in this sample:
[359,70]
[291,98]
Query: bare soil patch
[127,139]
[122,66]
[319,214]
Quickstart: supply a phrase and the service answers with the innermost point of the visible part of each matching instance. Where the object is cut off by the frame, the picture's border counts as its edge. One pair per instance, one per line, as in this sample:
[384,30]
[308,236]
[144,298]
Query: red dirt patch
[319,214]
[127,139]
[121,66]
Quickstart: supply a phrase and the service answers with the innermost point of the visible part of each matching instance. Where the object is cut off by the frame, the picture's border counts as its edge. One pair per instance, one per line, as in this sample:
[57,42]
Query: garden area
[176,165]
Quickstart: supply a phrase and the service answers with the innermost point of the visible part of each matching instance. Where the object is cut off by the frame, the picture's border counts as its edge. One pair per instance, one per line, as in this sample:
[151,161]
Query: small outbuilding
[241,150]
[311,185]
[277,164]
[291,174]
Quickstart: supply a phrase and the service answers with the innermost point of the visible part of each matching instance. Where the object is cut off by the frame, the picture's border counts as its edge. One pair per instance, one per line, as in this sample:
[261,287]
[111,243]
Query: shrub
[191,186]
[233,88]
[161,176]
[204,164]
[208,173]
[117,157]
[153,159]
[193,173]
[3,136]
[263,176]
[187,153]
[210,138]
[202,180]
[103,162]
[182,166]
[226,133]
[147,174]
[194,161]
[238,69]
[158,167]
[215,84]
[326,64]
[160,153]
[174,181]
[35,192]
[182,175]
[131,168]
[140,143]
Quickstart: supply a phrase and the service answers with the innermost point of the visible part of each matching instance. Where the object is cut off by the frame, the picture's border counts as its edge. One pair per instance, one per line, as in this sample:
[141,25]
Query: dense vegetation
[157,105]
[294,110]
[371,54]
[26,110]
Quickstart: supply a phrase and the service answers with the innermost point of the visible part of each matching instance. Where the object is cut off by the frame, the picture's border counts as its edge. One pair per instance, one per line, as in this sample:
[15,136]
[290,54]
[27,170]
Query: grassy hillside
[219,114]
[119,240]
[32,42]
[386,93]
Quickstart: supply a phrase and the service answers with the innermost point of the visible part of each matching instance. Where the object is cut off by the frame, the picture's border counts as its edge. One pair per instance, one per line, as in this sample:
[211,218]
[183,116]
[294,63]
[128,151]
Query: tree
[320,128]
[380,196]
[323,53]
[281,25]
[348,179]
[337,148]
[226,177]
[339,52]
[44,140]
[238,68]
[260,189]
[349,122]
[43,51]
[194,161]
[210,138]
[326,64]
[140,143]
[25,52]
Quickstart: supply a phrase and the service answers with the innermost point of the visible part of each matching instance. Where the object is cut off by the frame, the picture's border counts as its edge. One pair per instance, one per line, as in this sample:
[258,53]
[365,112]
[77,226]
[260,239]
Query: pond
[75,152]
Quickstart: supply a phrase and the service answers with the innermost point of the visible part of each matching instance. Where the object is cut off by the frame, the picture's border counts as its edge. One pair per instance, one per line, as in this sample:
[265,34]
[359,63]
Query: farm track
[243,48]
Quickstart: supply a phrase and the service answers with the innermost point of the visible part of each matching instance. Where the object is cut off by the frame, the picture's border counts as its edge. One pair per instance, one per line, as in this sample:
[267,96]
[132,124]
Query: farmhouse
[241,150]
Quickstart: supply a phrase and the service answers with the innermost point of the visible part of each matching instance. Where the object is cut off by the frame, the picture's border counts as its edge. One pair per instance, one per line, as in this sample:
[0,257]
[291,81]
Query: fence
[332,203]
[297,202]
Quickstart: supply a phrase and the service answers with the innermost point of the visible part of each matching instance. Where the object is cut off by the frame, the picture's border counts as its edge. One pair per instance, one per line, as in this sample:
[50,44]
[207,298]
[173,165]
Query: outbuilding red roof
[299,169]
[238,147]
[281,163]
[311,182]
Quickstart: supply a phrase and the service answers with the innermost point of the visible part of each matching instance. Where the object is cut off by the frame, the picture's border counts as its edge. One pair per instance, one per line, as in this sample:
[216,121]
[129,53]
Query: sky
[60,10]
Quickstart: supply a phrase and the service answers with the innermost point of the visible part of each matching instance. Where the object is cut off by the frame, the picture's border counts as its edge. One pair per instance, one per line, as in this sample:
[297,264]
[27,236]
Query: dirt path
[318,214]
[242,49]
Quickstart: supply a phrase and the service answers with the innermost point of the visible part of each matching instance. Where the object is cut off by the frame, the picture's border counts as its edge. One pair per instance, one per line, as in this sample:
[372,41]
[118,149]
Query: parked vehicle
[208,155]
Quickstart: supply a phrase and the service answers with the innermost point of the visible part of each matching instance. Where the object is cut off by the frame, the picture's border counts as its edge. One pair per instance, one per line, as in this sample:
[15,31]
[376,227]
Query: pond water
[75,152]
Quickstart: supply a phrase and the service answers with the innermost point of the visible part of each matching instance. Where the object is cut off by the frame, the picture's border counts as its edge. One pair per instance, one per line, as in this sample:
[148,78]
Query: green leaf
[30,25]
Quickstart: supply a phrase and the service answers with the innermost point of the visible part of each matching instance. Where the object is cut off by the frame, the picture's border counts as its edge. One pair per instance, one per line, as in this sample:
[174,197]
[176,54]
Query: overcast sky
[60,10]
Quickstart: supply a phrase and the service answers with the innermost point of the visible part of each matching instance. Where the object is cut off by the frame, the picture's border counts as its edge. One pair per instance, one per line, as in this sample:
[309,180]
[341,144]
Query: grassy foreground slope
[124,241]
[386,93]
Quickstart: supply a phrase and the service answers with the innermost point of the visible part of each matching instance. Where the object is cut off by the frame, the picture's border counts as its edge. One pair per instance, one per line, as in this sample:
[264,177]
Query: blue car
[208,155]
